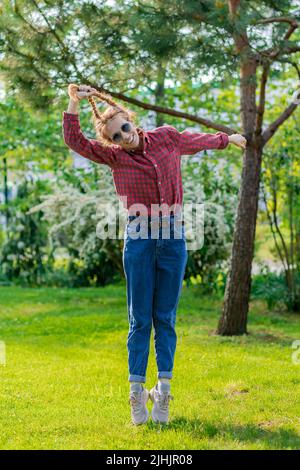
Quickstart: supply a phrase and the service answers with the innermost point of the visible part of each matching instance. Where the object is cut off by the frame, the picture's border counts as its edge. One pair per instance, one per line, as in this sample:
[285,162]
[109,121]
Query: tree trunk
[233,320]
[236,301]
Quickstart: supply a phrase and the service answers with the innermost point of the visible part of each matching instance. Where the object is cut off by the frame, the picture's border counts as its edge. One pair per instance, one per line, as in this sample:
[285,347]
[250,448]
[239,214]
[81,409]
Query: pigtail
[94,108]
[107,99]
[100,119]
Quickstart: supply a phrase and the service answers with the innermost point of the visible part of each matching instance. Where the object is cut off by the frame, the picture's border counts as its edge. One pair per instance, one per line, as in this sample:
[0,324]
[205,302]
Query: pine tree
[121,49]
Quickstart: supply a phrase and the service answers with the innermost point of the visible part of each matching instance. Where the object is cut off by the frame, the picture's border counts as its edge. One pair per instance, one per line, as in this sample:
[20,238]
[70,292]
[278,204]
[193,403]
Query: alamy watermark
[2,353]
[188,222]
[296,353]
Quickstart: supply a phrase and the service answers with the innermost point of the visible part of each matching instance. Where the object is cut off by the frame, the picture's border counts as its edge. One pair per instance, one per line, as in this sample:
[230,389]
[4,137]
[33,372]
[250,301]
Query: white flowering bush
[72,212]
[214,185]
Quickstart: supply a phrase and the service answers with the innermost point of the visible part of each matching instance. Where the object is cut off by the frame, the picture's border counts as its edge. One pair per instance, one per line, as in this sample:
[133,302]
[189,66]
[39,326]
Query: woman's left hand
[238,140]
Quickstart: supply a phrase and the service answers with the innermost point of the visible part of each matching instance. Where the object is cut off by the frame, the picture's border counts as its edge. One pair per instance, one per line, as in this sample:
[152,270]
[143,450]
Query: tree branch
[30,25]
[271,222]
[291,49]
[170,112]
[269,132]
[293,64]
[262,98]
[275,220]
[273,53]
[281,19]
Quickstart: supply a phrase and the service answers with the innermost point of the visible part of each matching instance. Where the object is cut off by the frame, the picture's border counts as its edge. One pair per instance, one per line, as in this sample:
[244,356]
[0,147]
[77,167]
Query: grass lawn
[65,382]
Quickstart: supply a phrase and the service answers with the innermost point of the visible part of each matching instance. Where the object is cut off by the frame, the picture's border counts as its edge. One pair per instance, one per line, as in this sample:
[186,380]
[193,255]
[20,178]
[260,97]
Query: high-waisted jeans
[154,270]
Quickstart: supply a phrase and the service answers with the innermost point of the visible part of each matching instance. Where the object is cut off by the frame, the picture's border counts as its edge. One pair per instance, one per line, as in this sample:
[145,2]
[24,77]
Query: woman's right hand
[78,92]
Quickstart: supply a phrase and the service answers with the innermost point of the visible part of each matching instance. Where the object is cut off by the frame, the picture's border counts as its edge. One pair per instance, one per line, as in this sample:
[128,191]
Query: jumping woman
[146,171]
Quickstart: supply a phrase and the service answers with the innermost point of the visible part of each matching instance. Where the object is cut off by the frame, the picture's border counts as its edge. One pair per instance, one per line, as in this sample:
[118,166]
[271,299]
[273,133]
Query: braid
[107,98]
[95,109]
[104,98]
[100,119]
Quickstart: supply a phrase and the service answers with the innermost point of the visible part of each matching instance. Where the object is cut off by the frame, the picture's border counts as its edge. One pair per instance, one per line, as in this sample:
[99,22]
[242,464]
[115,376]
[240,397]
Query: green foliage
[25,254]
[126,42]
[280,190]
[273,289]
[30,141]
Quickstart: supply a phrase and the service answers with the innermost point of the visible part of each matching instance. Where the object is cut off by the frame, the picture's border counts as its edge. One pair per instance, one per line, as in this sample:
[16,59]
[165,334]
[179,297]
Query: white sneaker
[137,401]
[160,410]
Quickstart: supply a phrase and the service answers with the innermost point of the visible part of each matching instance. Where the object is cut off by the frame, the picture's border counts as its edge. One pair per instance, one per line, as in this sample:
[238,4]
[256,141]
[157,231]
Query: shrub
[272,288]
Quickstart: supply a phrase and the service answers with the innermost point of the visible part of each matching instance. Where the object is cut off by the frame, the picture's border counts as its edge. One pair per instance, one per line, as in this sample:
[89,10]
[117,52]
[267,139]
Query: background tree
[281,194]
[109,47]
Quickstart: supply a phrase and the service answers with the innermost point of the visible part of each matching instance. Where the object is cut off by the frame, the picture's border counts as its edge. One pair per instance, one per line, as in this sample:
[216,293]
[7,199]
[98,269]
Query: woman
[147,177]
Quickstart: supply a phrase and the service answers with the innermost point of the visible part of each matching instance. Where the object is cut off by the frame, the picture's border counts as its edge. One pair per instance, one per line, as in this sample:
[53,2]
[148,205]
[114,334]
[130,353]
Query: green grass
[64,385]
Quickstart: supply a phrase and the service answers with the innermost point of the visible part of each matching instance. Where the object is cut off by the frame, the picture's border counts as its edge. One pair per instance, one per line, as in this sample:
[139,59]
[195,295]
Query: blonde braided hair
[100,119]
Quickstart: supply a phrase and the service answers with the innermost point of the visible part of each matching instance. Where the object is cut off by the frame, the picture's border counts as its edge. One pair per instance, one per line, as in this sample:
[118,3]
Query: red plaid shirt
[148,176]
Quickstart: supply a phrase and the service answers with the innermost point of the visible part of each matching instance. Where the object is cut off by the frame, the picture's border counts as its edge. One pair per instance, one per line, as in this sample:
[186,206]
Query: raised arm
[190,143]
[76,140]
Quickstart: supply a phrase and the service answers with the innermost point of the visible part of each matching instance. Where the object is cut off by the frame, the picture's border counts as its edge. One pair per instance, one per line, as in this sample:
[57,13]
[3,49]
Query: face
[122,132]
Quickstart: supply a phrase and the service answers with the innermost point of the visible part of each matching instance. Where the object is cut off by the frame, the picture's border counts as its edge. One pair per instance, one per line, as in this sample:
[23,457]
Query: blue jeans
[154,270]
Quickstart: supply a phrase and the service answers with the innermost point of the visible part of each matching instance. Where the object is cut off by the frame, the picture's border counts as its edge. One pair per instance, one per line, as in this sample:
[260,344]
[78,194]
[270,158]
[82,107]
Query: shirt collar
[144,134]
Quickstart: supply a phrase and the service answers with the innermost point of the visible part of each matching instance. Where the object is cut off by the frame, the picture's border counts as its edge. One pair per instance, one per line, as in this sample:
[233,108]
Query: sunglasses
[126,127]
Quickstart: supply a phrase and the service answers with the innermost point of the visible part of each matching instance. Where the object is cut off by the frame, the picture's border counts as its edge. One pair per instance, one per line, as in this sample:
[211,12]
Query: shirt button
[162,199]
[144,153]
[155,164]
[159,182]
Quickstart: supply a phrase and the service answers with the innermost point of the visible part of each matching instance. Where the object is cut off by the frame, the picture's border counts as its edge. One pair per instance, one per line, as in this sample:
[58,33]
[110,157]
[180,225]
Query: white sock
[136,386]
[164,385]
